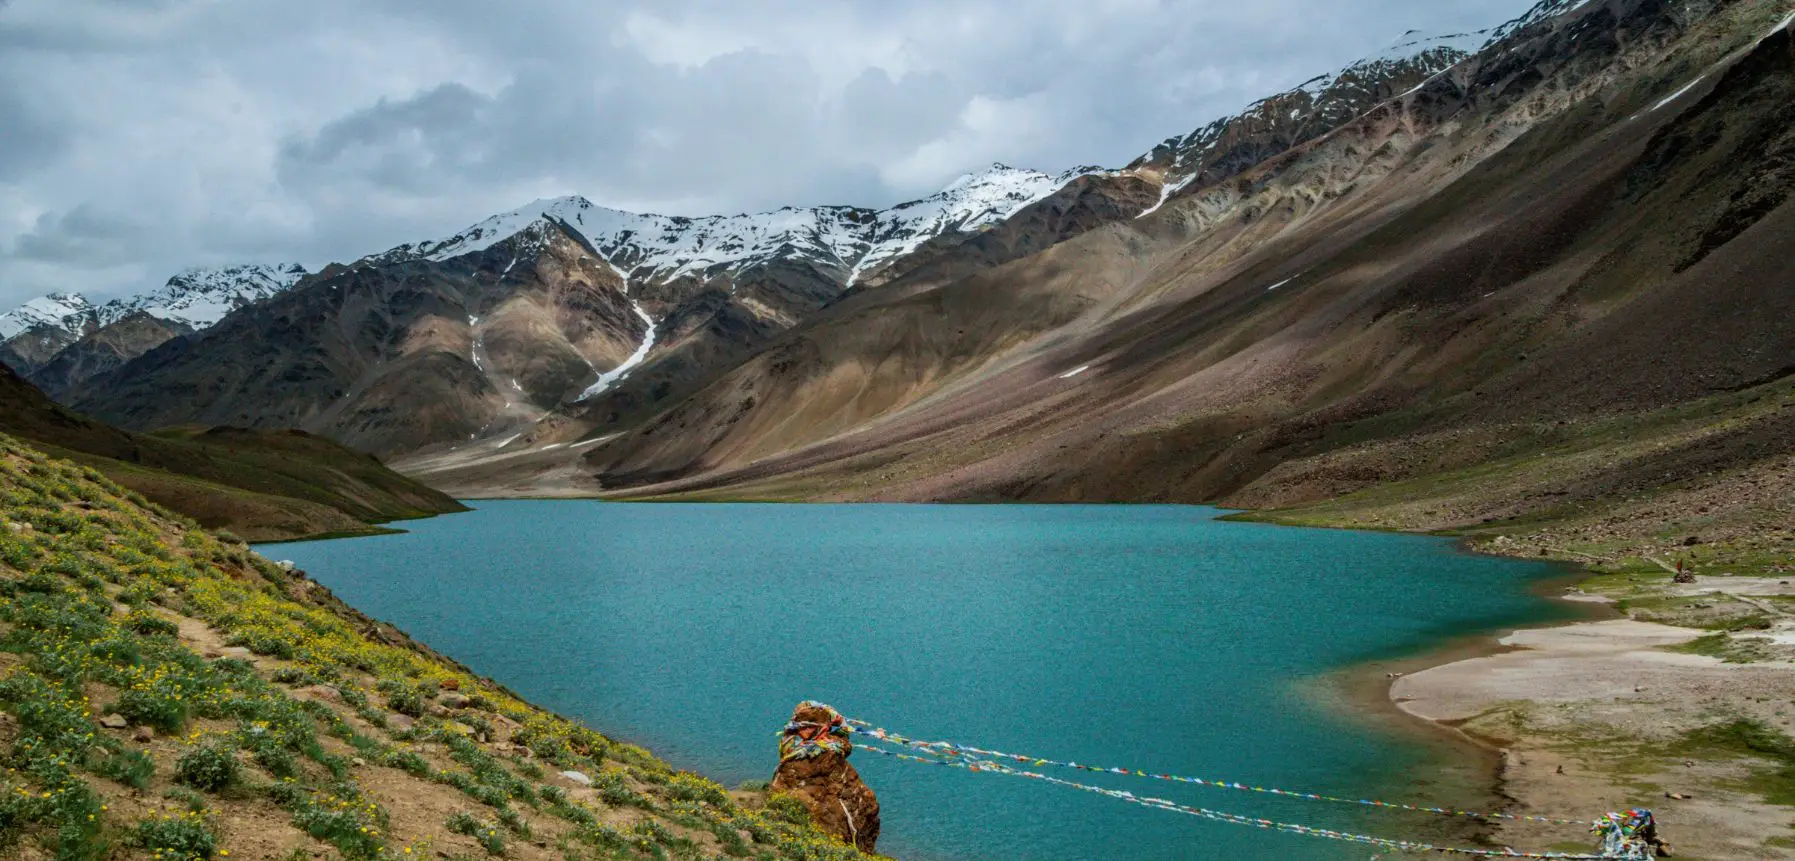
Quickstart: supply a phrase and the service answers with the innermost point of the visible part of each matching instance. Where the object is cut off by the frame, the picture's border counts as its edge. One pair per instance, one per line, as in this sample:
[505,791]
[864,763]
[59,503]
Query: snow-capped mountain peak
[68,312]
[1215,152]
[196,297]
[200,296]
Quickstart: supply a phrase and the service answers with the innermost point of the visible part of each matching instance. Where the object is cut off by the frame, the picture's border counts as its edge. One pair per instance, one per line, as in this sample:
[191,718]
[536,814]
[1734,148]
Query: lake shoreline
[1368,688]
[1582,716]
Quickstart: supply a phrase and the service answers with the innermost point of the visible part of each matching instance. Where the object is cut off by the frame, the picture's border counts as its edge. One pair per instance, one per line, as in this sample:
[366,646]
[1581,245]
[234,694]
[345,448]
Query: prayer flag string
[977,765]
[950,749]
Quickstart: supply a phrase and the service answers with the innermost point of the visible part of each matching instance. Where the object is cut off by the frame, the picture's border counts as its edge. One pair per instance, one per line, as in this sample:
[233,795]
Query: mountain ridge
[860,240]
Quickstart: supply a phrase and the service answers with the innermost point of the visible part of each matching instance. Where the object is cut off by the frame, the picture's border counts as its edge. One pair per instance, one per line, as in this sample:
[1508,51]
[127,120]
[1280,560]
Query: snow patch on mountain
[1413,43]
[606,379]
[972,203]
[1320,103]
[1544,10]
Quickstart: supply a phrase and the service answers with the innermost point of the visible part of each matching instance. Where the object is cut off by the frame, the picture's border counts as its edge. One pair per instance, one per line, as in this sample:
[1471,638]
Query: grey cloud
[27,138]
[403,144]
[86,236]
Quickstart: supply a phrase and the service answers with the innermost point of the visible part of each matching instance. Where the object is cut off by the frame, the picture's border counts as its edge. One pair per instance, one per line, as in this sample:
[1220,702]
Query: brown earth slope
[1536,239]
[101,351]
[262,485]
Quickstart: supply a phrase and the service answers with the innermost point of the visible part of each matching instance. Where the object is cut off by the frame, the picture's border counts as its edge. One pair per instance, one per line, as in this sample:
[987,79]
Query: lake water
[1151,637]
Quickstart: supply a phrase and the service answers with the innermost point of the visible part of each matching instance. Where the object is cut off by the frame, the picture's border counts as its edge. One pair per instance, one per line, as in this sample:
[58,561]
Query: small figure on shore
[813,768]
[1684,574]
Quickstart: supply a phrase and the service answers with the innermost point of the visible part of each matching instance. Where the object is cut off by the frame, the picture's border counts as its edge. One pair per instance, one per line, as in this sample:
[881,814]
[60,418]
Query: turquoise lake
[1151,637]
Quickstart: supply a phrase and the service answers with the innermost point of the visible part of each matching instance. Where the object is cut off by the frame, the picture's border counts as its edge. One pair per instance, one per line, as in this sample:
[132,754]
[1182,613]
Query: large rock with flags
[814,768]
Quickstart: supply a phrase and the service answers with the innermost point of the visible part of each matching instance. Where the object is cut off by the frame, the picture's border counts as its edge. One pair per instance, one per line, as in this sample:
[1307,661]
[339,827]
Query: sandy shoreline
[1579,717]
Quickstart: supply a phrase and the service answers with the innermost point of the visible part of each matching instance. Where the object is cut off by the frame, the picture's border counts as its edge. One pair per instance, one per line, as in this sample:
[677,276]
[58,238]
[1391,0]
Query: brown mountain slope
[262,485]
[1538,235]
[101,351]
[709,317]
[396,356]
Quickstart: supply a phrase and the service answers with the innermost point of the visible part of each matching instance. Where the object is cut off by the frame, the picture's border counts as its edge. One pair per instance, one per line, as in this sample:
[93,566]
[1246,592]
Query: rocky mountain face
[35,331]
[102,350]
[564,309]
[397,355]
[1576,226]
[1229,146]
[691,299]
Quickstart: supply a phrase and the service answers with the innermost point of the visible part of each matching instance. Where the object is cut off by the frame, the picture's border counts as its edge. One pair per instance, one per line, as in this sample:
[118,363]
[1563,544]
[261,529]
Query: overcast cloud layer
[141,136]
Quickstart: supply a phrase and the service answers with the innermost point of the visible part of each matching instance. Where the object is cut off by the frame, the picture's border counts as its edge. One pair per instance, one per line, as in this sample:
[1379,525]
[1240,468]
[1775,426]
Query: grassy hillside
[261,485]
[168,694]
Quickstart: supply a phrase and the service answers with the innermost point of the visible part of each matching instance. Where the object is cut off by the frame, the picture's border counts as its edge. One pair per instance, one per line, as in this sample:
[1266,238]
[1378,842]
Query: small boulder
[454,701]
[814,768]
[114,721]
[577,777]
[143,735]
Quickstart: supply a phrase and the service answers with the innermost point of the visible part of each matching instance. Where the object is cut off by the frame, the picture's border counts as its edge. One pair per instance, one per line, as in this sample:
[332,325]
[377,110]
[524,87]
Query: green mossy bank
[167,693]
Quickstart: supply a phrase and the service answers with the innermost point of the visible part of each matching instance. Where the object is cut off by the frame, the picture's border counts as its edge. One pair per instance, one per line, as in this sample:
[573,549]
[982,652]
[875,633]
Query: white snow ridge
[659,248]
[66,311]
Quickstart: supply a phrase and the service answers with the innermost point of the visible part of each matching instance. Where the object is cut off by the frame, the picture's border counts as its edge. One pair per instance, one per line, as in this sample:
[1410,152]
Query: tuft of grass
[208,768]
[133,768]
[489,836]
[185,836]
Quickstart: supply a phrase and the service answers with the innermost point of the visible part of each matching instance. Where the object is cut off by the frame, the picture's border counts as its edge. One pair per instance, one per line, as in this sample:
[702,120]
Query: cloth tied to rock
[814,769]
[803,739]
[1629,835]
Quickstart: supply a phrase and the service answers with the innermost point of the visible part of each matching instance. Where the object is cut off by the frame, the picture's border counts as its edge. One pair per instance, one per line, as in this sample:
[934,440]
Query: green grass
[263,484]
[91,579]
[1774,780]
[1726,648]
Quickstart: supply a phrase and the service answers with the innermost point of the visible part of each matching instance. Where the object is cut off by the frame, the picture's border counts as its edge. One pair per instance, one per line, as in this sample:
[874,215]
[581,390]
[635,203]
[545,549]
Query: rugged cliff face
[37,332]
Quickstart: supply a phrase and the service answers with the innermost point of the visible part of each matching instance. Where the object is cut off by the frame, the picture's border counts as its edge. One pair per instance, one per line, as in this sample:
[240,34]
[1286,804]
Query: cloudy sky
[141,136]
